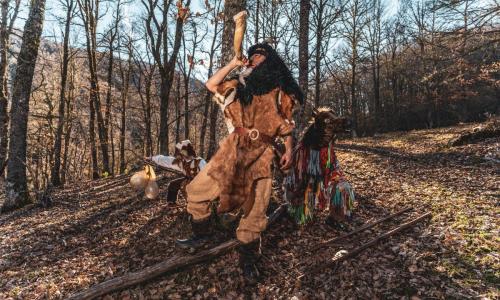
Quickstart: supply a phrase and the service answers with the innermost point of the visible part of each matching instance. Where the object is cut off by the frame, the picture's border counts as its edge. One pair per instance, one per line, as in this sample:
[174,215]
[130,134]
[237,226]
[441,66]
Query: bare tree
[6,27]
[177,108]
[354,20]
[89,13]
[157,30]
[373,40]
[187,65]
[305,8]
[143,83]
[17,194]
[125,79]
[215,19]
[70,13]
[231,8]
[68,126]
[325,14]
[110,39]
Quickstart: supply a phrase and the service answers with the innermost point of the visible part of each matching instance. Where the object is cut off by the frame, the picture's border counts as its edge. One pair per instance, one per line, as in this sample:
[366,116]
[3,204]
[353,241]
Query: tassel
[316,183]
[343,199]
[313,167]
[329,162]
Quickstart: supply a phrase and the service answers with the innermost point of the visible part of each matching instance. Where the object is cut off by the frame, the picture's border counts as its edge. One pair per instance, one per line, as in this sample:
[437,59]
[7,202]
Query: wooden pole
[173,264]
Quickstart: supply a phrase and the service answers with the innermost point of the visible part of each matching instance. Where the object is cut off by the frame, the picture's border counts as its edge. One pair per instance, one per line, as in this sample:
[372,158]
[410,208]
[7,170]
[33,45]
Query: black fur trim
[271,73]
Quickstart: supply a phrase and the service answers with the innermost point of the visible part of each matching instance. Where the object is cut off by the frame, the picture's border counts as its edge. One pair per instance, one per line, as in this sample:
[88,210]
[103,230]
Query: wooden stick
[362,228]
[171,265]
[372,242]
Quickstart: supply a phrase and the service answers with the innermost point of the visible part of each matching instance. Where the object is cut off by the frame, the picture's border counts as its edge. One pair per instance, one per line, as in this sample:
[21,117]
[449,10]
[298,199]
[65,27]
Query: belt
[255,135]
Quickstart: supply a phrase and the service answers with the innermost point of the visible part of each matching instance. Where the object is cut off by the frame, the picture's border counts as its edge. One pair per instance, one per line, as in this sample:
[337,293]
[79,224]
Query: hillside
[102,229]
[43,115]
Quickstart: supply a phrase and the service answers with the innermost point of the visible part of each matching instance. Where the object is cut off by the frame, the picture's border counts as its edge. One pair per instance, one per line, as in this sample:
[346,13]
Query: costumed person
[184,160]
[258,107]
[316,181]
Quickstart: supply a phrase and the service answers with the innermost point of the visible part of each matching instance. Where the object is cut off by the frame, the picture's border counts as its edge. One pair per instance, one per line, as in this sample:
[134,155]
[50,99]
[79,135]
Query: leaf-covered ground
[102,229]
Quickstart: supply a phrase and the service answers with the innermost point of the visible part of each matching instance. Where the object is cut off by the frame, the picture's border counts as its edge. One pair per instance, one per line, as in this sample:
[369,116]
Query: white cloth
[223,103]
[167,162]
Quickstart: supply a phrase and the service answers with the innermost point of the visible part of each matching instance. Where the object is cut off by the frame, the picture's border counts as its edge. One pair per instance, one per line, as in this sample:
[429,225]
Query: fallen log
[171,265]
[358,230]
[359,249]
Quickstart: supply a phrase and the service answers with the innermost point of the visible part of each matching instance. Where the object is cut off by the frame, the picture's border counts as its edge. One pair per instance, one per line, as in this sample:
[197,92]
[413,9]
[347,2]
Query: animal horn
[315,111]
[240,20]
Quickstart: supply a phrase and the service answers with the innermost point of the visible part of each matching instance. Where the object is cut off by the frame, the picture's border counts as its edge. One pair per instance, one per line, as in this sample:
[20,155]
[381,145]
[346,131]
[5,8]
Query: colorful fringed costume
[316,182]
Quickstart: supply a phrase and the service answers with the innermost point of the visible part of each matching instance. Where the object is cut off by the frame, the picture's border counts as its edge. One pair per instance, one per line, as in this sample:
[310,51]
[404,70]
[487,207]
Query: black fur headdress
[271,73]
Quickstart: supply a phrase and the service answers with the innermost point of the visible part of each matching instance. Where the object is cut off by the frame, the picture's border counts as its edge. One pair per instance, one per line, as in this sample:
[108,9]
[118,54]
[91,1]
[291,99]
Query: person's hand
[286,160]
[238,62]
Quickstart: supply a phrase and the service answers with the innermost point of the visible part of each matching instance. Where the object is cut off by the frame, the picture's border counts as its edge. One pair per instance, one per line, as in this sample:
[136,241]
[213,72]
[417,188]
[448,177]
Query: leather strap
[255,135]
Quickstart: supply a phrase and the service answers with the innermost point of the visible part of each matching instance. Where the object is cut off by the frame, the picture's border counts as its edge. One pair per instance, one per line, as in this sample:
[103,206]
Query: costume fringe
[316,182]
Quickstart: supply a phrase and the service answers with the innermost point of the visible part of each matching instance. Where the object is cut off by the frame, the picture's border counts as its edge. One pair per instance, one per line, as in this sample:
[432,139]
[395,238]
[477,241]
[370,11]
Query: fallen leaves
[99,230]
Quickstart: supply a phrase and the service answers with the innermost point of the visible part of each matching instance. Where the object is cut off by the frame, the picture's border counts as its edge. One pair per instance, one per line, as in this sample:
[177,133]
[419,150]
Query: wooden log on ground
[171,265]
[372,242]
[358,230]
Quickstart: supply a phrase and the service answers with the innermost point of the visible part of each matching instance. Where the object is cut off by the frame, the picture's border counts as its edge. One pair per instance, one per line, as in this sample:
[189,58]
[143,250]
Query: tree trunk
[305,8]
[56,179]
[149,134]
[109,81]
[4,102]
[167,80]
[90,13]
[257,12]
[112,145]
[376,89]
[317,62]
[231,8]
[126,81]
[5,31]
[186,109]
[177,110]
[354,102]
[93,147]
[68,123]
[16,185]
[204,122]
[187,79]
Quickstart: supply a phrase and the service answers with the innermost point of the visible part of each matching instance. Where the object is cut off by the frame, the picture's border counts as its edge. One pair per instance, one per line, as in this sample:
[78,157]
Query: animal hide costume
[239,174]
[316,181]
[185,161]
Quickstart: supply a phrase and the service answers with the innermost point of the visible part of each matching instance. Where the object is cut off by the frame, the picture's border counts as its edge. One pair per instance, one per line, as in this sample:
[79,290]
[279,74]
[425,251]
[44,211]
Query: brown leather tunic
[240,161]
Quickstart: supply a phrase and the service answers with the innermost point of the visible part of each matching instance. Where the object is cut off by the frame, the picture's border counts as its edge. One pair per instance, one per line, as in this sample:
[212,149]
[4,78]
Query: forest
[90,89]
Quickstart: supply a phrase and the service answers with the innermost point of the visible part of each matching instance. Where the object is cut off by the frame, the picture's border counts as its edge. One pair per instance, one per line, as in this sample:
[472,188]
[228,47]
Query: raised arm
[219,76]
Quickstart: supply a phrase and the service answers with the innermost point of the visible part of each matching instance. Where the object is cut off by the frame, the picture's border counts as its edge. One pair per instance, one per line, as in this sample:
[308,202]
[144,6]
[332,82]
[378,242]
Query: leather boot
[202,232]
[249,256]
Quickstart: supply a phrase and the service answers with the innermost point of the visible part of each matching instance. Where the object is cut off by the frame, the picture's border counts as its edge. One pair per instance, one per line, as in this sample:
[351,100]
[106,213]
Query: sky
[53,28]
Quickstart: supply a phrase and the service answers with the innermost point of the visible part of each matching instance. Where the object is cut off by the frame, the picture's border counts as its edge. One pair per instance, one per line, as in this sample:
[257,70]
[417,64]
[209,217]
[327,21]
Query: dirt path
[100,230]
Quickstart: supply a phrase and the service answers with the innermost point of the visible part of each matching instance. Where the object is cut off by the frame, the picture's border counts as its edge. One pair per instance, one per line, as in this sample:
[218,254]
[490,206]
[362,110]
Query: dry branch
[372,242]
[362,228]
[173,264]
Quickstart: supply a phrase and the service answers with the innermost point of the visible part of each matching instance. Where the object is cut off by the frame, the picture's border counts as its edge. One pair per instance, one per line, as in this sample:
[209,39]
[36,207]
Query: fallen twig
[362,228]
[173,264]
[359,249]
